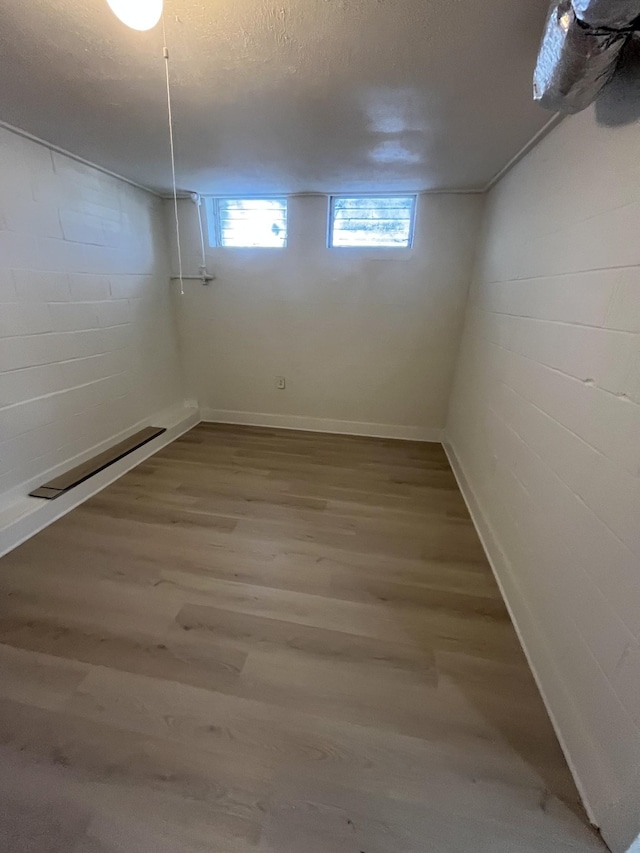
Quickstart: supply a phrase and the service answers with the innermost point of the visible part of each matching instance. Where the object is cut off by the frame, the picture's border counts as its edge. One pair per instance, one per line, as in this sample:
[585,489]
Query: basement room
[320,426]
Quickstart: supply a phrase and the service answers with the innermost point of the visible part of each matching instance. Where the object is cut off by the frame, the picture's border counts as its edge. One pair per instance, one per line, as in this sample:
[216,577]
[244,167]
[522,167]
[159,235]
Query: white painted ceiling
[281,95]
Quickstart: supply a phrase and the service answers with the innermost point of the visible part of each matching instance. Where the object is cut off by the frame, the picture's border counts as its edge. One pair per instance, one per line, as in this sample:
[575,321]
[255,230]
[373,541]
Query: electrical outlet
[281,383]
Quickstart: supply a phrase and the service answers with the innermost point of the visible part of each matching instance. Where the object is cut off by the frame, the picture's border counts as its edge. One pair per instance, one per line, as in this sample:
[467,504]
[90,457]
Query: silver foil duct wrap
[615,14]
[575,61]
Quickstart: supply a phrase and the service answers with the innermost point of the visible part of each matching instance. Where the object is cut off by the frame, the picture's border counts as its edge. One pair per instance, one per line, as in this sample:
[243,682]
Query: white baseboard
[534,645]
[307,424]
[24,516]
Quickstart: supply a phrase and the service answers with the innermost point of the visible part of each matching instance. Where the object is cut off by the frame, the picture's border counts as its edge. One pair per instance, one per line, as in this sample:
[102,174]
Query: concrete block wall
[544,427]
[366,339]
[87,342]
[544,421]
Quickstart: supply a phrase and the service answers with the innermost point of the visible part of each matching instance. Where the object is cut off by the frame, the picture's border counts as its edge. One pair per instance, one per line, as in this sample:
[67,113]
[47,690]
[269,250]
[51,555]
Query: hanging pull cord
[165,54]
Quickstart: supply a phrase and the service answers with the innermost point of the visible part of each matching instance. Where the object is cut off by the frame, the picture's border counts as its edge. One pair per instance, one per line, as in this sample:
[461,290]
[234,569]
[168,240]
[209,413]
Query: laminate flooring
[262,641]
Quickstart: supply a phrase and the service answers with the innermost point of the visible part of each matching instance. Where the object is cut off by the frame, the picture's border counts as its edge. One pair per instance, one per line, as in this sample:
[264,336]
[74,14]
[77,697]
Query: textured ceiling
[281,95]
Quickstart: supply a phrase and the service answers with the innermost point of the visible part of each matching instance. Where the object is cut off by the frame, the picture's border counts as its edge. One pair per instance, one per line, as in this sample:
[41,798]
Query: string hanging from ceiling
[165,54]
[144,15]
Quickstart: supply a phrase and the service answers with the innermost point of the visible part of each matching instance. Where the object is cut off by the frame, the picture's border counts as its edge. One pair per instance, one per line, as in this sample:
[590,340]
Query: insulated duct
[576,60]
[616,14]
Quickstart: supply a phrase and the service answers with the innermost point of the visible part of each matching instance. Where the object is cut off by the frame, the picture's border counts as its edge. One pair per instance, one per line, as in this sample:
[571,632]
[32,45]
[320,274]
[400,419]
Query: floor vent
[59,485]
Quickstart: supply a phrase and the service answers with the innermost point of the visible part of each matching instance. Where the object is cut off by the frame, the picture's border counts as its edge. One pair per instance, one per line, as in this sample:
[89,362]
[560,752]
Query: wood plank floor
[262,641]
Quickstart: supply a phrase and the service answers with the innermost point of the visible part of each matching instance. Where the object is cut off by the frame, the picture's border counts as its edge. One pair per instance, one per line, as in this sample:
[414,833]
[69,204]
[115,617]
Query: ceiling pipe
[616,14]
[576,59]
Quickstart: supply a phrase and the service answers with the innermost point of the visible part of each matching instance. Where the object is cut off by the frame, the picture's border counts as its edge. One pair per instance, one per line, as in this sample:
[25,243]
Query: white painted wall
[544,422]
[367,340]
[87,342]
[545,429]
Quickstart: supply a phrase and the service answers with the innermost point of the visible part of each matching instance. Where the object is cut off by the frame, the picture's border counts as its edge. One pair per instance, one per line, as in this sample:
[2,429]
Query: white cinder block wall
[545,427]
[367,340]
[87,342]
[544,421]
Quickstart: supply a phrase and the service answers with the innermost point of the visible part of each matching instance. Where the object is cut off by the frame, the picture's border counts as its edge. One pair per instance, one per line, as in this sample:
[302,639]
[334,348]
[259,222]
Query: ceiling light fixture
[137,14]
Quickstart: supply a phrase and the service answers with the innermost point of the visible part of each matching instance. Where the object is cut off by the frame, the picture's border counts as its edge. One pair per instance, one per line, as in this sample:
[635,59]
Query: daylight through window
[383,221]
[248,223]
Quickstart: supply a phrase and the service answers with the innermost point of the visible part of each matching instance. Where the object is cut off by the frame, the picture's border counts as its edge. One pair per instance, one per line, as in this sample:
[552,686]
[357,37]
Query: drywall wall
[544,429]
[87,341]
[366,339]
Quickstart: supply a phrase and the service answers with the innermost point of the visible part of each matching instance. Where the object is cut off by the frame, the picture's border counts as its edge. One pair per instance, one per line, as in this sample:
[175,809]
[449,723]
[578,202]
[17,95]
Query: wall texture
[367,340]
[545,429]
[87,344]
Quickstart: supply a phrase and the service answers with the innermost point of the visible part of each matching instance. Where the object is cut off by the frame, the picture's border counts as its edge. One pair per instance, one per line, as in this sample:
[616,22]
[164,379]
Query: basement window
[372,221]
[248,222]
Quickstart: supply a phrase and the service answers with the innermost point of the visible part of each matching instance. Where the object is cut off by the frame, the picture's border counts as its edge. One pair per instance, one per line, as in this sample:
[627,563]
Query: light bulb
[137,14]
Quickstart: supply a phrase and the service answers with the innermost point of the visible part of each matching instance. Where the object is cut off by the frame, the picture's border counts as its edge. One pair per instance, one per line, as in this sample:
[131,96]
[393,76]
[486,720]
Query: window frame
[372,246]
[214,229]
